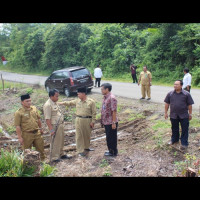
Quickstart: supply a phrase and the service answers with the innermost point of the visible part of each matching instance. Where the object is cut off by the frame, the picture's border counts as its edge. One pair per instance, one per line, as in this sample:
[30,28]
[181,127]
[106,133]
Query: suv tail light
[91,76]
[71,81]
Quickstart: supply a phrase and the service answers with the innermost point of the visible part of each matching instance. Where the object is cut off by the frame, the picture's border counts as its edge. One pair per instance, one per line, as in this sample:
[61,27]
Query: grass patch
[195,122]
[104,163]
[161,125]
[11,165]
[9,85]
[134,116]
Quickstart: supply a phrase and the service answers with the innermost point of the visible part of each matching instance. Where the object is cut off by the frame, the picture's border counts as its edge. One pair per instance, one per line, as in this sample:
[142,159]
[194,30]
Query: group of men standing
[179,100]
[29,126]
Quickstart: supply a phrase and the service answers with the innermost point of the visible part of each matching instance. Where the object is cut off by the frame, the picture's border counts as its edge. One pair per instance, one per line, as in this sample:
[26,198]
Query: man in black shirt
[180,102]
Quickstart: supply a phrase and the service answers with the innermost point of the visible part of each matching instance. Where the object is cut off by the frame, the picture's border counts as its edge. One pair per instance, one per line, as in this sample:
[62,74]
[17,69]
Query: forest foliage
[166,48]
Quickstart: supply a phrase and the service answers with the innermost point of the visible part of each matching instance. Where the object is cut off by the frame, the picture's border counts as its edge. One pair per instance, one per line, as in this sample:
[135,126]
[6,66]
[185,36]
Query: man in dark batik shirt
[180,102]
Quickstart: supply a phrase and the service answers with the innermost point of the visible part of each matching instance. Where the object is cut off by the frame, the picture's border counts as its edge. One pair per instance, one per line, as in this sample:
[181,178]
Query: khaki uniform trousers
[83,133]
[145,89]
[36,140]
[58,144]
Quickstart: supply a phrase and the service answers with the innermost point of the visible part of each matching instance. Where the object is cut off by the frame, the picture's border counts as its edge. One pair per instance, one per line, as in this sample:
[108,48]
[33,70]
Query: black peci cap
[82,90]
[25,96]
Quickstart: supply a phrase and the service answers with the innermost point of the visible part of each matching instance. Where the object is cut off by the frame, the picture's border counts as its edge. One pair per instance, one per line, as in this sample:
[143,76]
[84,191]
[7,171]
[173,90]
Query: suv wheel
[67,92]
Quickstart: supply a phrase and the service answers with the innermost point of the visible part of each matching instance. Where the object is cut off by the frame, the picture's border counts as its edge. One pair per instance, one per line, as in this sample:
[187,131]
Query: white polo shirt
[98,73]
[187,79]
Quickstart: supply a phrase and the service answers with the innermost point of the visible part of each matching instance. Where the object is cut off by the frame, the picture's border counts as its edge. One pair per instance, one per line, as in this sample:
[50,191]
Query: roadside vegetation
[166,48]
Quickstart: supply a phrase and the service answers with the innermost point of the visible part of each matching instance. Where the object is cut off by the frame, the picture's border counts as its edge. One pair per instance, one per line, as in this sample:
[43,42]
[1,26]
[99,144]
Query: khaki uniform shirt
[27,119]
[145,77]
[84,108]
[52,112]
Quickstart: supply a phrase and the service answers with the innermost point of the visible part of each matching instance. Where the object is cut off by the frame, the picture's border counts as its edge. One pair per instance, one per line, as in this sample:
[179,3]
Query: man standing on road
[29,126]
[145,79]
[98,74]
[133,73]
[109,119]
[85,119]
[187,79]
[54,118]
[180,103]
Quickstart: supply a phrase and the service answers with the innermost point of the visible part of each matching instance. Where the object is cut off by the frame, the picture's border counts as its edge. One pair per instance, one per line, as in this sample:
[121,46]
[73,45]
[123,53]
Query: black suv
[68,80]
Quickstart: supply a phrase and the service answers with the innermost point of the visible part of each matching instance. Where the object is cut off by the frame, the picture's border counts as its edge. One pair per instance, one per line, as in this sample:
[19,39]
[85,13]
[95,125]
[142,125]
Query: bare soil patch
[143,135]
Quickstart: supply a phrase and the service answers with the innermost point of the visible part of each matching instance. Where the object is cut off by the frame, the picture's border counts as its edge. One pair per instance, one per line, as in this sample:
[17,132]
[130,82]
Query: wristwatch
[113,122]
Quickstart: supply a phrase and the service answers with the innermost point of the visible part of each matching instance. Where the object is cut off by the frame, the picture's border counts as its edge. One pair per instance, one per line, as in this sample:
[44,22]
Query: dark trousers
[111,138]
[98,80]
[188,90]
[134,78]
[175,130]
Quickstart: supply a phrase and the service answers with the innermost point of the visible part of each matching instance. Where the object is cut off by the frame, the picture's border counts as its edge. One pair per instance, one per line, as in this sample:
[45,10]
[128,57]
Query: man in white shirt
[97,74]
[187,79]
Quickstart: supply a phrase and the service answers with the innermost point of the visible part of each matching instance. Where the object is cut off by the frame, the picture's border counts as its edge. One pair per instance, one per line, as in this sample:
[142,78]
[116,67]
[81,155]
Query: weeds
[47,170]
[11,165]
[190,161]
[11,129]
[104,163]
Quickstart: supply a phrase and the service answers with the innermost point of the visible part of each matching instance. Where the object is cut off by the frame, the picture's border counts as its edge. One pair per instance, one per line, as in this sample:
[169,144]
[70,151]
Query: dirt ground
[143,136]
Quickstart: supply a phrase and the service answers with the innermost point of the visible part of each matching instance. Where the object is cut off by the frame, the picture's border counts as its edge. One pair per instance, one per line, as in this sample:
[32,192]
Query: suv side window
[80,73]
[58,75]
[65,75]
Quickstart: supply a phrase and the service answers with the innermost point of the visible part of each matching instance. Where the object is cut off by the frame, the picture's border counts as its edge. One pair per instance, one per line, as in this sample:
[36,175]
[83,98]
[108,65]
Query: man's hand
[41,131]
[190,116]
[114,126]
[21,140]
[92,125]
[138,83]
[52,132]
[166,115]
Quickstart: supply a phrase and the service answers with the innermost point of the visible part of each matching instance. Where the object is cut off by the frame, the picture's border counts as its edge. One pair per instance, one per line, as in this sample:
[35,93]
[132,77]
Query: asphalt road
[129,90]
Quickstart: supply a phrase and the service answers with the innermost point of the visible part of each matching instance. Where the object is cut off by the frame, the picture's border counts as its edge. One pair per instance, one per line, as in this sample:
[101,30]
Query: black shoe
[107,153]
[89,149]
[172,143]
[56,161]
[148,98]
[81,154]
[142,98]
[65,157]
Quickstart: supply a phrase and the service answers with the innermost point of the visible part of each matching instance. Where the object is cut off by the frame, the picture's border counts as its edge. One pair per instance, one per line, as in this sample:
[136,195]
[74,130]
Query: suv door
[81,77]
[56,80]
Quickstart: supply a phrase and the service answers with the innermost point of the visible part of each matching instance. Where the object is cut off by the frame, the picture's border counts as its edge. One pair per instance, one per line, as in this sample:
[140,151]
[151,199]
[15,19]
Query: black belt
[34,132]
[84,116]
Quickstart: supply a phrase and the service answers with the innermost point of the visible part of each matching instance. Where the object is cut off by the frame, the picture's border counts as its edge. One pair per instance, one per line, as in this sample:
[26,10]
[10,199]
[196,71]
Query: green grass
[161,125]
[8,84]
[47,170]
[12,165]
[134,116]
[8,68]
[104,163]
[194,122]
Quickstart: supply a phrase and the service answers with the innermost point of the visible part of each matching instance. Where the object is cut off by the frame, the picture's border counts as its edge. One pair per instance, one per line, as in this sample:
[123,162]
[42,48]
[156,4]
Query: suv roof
[70,69]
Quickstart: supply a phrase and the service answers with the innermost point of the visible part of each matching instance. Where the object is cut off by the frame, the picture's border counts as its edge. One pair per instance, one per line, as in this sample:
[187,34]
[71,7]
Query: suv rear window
[80,73]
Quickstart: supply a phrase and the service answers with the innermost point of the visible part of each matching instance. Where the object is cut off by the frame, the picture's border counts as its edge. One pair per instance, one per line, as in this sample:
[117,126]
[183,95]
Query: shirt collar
[52,102]
[179,92]
[25,109]
[107,95]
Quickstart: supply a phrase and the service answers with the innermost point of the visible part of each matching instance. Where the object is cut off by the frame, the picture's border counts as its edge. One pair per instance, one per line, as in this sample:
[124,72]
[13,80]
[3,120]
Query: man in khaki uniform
[28,126]
[145,79]
[54,117]
[85,119]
